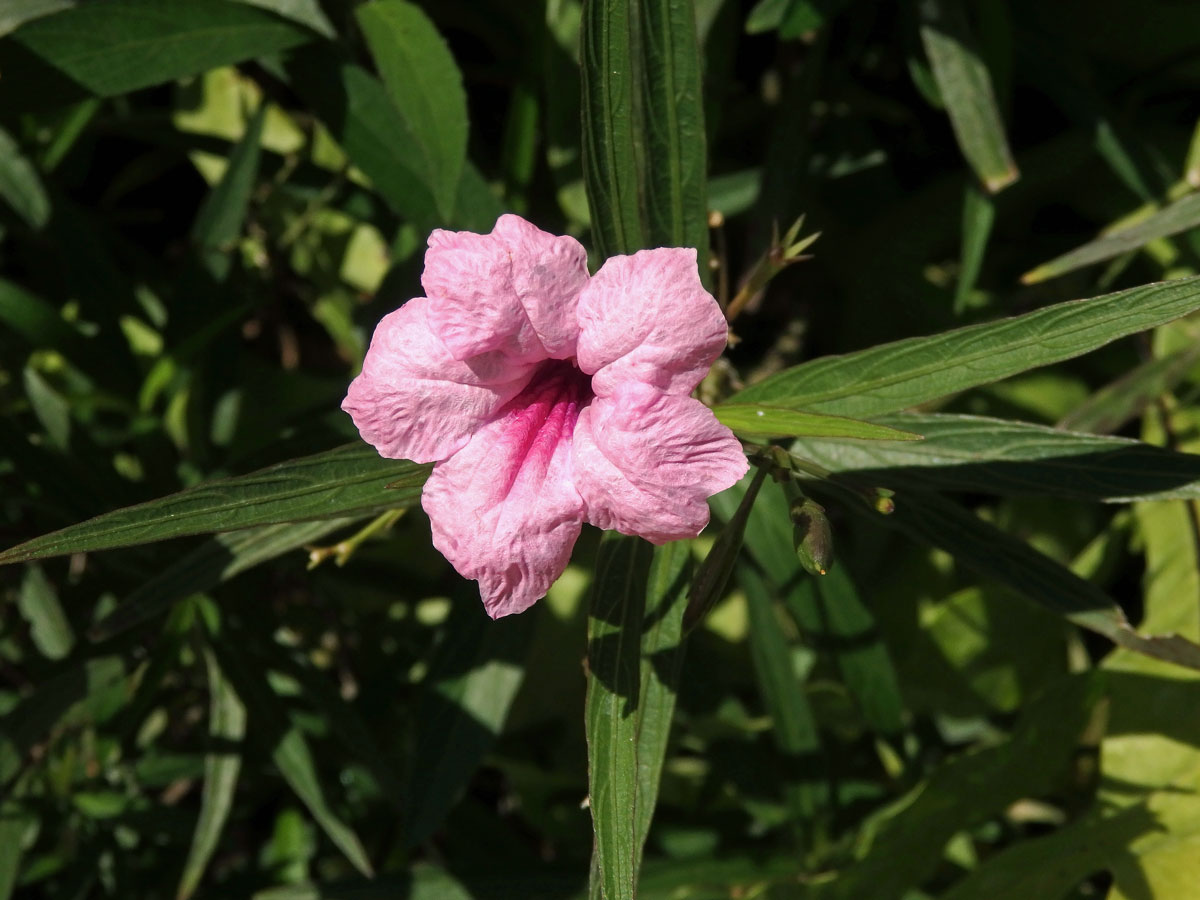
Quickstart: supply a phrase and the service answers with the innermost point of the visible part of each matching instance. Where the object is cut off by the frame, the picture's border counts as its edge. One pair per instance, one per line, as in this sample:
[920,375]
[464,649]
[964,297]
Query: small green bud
[812,536]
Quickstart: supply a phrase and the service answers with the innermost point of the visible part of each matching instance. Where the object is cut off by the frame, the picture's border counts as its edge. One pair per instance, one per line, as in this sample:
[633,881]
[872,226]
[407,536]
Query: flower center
[541,419]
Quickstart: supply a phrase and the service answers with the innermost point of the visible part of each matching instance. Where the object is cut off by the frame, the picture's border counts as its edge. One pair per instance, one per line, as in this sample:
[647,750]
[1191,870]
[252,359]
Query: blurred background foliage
[205,206]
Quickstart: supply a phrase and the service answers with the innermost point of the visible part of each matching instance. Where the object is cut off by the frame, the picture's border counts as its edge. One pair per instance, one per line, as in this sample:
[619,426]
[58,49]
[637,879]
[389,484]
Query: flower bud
[812,536]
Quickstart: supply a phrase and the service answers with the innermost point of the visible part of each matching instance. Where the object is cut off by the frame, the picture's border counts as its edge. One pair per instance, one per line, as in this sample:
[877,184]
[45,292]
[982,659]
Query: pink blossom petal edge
[413,400]
[647,318]
[646,462]
[504,510]
[514,290]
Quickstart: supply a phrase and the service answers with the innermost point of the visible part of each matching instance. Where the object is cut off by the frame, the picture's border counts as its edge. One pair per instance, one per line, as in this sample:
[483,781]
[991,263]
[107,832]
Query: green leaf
[14,823]
[644,157]
[661,664]
[612,119]
[306,12]
[613,713]
[119,46]
[218,224]
[996,456]
[782,689]
[676,161]
[891,377]
[464,703]
[766,15]
[213,562]
[966,88]
[269,725]
[902,847]
[20,185]
[425,86]
[349,481]
[1121,401]
[753,420]
[711,580]
[979,213]
[832,615]
[35,320]
[227,728]
[996,555]
[1182,215]
[38,602]
[17,12]
[362,118]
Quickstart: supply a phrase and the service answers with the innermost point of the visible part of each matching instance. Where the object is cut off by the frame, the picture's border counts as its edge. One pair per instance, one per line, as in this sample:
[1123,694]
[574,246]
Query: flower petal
[514,290]
[504,509]
[647,318]
[646,462]
[413,400]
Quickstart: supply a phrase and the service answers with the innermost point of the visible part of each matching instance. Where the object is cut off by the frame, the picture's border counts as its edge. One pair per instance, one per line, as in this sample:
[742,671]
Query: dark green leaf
[16,12]
[711,580]
[463,706]
[363,119]
[20,185]
[612,120]
[972,453]
[425,86]
[350,481]
[895,376]
[613,713]
[227,728]
[661,663]
[1182,215]
[119,46]
[979,212]
[753,420]
[219,222]
[966,88]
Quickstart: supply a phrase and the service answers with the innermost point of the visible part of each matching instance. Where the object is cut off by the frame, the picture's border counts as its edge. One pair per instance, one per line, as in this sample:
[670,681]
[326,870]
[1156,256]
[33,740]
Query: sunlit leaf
[350,481]
[753,420]
[895,376]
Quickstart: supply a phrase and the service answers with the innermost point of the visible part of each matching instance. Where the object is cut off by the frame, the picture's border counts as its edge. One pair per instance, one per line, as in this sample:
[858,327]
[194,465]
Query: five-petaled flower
[548,398]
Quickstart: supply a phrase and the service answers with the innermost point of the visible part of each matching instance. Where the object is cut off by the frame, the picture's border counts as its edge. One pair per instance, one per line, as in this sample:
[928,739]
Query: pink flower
[547,399]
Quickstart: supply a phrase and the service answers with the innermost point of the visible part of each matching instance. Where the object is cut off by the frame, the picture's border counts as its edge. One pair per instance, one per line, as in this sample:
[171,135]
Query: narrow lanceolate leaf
[1182,215]
[218,224]
[119,46]
[14,823]
[782,689]
[752,420]
[709,584]
[425,86]
[832,616]
[966,87]
[979,213]
[644,156]
[895,376]
[464,702]
[36,320]
[215,561]
[356,108]
[612,120]
[994,554]
[227,728]
[350,481]
[978,454]
[269,725]
[673,110]
[20,186]
[1127,398]
[613,711]
[662,660]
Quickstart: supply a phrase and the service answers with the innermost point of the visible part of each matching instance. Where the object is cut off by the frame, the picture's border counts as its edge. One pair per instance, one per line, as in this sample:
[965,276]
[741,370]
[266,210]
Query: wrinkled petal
[647,462]
[504,509]
[647,318]
[413,400]
[514,290]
